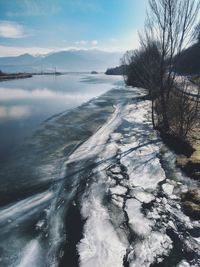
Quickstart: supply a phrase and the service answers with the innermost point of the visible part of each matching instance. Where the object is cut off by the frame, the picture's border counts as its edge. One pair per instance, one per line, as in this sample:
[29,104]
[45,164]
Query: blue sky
[41,26]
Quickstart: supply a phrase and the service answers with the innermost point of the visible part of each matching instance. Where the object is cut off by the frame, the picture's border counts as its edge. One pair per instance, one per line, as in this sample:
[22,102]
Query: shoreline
[14,76]
[107,168]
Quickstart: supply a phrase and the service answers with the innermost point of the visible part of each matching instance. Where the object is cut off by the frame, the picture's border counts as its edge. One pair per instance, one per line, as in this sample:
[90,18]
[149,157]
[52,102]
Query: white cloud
[94,42]
[9,29]
[127,42]
[113,40]
[86,43]
[82,42]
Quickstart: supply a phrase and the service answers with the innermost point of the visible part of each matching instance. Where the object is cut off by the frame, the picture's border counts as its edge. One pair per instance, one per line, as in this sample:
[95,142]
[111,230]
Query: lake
[42,121]
[26,103]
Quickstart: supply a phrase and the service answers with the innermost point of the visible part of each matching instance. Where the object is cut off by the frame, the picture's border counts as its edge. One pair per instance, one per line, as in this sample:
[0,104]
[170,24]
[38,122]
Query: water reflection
[25,103]
[14,112]
[16,94]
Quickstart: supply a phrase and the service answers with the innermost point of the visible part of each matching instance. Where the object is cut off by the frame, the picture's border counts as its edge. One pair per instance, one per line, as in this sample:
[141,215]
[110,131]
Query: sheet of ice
[100,245]
[116,136]
[183,263]
[118,201]
[140,150]
[115,170]
[136,113]
[145,252]
[142,195]
[137,221]
[145,175]
[118,190]
[95,143]
[168,188]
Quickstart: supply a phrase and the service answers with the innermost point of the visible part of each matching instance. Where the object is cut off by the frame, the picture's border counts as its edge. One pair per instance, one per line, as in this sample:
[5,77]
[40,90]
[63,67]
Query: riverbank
[113,194]
[13,76]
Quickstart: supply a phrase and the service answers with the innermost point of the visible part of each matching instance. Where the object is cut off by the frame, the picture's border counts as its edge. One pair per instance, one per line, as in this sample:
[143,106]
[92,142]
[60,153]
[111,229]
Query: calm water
[26,103]
[36,189]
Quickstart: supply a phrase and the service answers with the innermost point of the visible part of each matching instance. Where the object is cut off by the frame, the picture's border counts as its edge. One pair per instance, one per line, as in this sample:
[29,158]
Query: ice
[115,170]
[183,263]
[118,190]
[146,252]
[100,245]
[96,142]
[116,136]
[118,201]
[141,195]
[119,176]
[168,188]
[143,175]
[138,222]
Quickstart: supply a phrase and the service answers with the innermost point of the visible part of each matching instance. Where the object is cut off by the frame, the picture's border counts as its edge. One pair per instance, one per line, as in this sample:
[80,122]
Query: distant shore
[12,76]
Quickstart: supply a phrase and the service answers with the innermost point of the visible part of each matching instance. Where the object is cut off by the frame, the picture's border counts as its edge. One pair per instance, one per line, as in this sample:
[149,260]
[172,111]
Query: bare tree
[183,111]
[142,69]
[196,34]
[169,23]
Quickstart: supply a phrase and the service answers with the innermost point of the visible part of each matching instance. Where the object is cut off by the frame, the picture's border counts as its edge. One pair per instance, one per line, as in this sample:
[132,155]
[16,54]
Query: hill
[71,60]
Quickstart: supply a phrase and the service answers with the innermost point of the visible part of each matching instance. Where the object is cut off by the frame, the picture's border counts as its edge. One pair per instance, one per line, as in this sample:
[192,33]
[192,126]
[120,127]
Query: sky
[43,26]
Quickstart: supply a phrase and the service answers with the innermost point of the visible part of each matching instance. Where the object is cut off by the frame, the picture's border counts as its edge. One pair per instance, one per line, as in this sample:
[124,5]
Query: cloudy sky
[42,26]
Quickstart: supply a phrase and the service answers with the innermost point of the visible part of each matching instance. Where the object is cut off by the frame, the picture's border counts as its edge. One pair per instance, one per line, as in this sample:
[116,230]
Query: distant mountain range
[72,60]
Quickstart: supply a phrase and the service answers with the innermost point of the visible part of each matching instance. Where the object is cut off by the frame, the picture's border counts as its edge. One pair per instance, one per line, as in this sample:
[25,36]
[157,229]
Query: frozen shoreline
[133,199]
[122,181]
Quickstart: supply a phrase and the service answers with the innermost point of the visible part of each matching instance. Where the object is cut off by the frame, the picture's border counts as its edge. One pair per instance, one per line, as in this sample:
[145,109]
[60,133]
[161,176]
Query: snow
[145,252]
[168,188]
[94,144]
[183,263]
[143,175]
[116,136]
[137,221]
[118,201]
[118,190]
[100,245]
[116,170]
[141,195]
[133,158]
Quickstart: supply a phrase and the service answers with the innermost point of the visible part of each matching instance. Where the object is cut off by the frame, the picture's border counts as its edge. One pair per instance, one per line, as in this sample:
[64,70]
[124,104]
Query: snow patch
[183,263]
[141,195]
[100,245]
[137,221]
[96,142]
[118,190]
[145,252]
[168,188]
